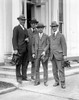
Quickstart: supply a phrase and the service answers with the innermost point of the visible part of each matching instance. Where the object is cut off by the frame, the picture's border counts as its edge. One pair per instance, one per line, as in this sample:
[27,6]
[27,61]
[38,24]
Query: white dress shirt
[56,32]
[40,35]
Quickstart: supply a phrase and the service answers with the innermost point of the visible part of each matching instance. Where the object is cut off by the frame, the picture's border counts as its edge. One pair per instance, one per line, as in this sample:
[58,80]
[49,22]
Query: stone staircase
[8,71]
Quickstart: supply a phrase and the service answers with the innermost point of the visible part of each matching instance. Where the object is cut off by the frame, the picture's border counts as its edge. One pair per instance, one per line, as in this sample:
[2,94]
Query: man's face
[54,29]
[22,22]
[33,25]
[40,30]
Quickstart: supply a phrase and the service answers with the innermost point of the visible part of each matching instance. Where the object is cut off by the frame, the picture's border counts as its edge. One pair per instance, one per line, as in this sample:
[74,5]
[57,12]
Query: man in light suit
[58,52]
[20,40]
[40,50]
[31,32]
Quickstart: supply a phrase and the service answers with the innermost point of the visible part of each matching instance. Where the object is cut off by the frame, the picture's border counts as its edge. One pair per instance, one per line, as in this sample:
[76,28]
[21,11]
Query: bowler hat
[21,17]
[54,24]
[33,21]
[40,25]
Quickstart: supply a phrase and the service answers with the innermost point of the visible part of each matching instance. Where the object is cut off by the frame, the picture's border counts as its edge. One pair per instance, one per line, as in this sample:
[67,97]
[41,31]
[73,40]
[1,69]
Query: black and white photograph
[39,51]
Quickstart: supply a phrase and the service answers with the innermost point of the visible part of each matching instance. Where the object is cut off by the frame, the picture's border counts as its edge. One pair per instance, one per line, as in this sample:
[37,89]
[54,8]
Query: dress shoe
[32,78]
[56,84]
[37,83]
[24,79]
[63,86]
[45,83]
[19,81]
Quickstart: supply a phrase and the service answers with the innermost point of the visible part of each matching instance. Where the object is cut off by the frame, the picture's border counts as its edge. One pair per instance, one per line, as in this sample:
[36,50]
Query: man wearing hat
[31,32]
[20,40]
[40,49]
[58,52]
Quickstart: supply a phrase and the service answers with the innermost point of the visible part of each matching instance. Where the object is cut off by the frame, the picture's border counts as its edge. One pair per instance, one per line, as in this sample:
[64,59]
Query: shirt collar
[32,29]
[41,34]
[56,32]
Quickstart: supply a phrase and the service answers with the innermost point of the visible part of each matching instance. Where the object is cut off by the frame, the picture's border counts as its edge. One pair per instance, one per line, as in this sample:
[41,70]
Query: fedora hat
[54,24]
[21,17]
[33,21]
[40,25]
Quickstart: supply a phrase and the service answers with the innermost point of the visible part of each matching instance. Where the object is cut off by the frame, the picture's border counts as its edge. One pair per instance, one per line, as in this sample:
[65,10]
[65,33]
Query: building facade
[65,12]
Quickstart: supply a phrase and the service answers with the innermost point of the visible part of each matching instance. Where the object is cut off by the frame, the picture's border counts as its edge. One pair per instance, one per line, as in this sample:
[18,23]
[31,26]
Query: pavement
[6,87]
[29,85]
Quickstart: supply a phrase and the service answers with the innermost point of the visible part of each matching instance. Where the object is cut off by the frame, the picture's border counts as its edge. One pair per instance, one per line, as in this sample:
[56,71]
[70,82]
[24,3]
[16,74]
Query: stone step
[12,75]
[9,71]
[13,68]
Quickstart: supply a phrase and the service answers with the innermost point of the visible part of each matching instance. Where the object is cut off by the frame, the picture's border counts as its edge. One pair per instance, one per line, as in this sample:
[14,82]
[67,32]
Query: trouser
[58,70]
[21,67]
[32,67]
[37,67]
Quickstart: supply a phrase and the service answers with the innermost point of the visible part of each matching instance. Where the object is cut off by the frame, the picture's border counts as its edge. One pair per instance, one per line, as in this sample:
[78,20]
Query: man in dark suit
[31,32]
[20,40]
[40,50]
[58,52]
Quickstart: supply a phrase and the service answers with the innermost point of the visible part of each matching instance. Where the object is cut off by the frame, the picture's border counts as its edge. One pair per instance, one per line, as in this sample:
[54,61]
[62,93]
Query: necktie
[54,35]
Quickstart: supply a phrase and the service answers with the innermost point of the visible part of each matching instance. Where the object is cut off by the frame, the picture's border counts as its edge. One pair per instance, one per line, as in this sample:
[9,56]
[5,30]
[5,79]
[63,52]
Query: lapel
[53,37]
[30,33]
[37,39]
[57,34]
[22,28]
[42,38]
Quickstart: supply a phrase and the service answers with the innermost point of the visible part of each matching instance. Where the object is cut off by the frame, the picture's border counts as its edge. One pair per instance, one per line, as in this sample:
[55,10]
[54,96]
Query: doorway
[30,13]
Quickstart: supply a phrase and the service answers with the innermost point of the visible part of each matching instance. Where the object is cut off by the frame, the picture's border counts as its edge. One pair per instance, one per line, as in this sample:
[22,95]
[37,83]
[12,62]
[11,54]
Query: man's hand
[65,57]
[43,53]
[27,39]
[33,55]
[15,51]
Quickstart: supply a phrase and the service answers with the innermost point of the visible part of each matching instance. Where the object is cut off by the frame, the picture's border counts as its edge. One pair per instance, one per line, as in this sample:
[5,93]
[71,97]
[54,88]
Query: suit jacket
[31,35]
[18,40]
[44,44]
[58,46]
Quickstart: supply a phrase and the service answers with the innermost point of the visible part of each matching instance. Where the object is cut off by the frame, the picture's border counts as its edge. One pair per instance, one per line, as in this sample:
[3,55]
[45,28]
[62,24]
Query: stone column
[49,15]
[25,11]
[15,12]
[8,26]
[5,27]
[55,10]
[71,26]
[2,31]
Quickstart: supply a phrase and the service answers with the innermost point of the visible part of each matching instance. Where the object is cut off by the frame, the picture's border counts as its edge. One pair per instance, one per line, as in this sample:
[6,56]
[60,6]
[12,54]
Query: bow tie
[33,30]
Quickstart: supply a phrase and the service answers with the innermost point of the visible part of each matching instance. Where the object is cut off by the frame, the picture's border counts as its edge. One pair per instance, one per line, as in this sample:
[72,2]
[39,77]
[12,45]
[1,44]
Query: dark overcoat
[31,35]
[18,40]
